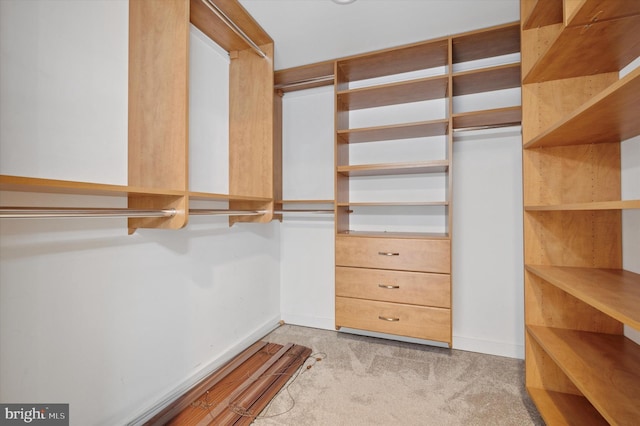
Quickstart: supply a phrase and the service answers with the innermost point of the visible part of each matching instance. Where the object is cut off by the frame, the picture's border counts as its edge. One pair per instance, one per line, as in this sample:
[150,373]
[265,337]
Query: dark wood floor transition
[236,393]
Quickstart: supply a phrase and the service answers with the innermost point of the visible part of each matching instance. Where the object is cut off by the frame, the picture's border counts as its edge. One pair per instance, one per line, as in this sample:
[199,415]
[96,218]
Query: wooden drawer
[394,253]
[393,318]
[416,288]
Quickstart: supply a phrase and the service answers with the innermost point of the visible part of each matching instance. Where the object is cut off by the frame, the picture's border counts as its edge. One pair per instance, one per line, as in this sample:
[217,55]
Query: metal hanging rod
[45,212]
[491,126]
[224,212]
[321,211]
[64,212]
[220,14]
[306,81]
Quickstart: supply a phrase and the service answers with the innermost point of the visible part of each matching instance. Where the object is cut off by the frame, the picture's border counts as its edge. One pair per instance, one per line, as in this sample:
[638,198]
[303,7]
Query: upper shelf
[203,17]
[397,131]
[486,80]
[497,41]
[413,57]
[614,292]
[583,50]
[394,93]
[615,110]
[437,166]
[54,186]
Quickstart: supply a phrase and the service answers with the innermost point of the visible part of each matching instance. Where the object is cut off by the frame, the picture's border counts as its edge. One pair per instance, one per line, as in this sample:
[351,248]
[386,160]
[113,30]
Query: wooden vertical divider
[251,132]
[158,109]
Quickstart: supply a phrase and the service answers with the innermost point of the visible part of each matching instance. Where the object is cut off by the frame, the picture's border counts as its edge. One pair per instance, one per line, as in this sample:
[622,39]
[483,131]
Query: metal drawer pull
[388,253]
[388,286]
[390,319]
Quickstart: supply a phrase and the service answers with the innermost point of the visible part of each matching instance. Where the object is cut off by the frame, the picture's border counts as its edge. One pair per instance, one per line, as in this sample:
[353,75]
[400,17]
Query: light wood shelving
[158,115]
[385,169]
[580,368]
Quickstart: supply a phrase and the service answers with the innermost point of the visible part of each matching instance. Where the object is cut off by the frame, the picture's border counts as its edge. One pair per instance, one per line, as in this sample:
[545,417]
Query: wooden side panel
[544,104]
[572,174]
[158,106]
[251,128]
[573,238]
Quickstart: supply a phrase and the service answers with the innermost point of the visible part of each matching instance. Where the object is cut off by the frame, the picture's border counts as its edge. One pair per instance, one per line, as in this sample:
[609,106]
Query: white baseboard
[209,368]
[309,321]
[488,347]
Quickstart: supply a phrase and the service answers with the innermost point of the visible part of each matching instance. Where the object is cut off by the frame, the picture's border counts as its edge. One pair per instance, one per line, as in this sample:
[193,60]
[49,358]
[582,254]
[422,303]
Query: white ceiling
[308,31]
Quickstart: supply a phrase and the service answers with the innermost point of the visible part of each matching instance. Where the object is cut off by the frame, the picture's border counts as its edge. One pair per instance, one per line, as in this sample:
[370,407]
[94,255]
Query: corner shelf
[604,367]
[596,205]
[565,408]
[612,291]
[615,111]
[584,49]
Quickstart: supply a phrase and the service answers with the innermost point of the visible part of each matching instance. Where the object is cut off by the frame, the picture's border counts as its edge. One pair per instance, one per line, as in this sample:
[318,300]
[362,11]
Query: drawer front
[416,288]
[392,318]
[394,253]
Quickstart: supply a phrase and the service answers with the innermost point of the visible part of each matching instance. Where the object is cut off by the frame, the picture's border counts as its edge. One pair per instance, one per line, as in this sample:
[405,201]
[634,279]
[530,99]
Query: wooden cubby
[580,368]
[159,117]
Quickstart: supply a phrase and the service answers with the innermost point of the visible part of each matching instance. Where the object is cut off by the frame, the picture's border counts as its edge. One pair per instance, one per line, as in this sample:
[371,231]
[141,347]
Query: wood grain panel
[392,318]
[542,372]
[559,408]
[394,286]
[394,253]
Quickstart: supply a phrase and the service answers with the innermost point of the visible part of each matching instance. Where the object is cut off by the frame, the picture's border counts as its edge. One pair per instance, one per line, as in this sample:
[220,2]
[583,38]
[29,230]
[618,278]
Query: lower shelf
[558,408]
[394,318]
[604,367]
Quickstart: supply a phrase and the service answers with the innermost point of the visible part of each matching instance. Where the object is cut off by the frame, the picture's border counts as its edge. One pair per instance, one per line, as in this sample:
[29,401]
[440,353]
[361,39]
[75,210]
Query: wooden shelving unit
[158,115]
[580,368]
[397,131]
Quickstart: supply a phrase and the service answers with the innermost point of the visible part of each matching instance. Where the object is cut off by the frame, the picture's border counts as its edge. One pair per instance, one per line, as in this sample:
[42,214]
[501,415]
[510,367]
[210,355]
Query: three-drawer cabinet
[398,286]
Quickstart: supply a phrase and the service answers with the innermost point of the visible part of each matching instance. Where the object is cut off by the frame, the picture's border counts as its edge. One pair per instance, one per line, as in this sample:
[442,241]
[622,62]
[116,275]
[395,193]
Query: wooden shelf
[412,57]
[305,202]
[488,118]
[486,79]
[614,292]
[53,186]
[398,131]
[497,41]
[412,235]
[591,11]
[385,169]
[542,13]
[615,111]
[604,367]
[211,196]
[304,77]
[394,93]
[587,50]
[562,408]
[597,205]
[394,204]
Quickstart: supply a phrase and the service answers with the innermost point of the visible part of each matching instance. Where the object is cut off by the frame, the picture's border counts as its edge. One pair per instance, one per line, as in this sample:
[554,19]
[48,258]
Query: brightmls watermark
[34,414]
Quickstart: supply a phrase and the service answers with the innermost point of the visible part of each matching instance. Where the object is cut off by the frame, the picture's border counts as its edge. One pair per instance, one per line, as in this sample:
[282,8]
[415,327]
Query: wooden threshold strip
[236,393]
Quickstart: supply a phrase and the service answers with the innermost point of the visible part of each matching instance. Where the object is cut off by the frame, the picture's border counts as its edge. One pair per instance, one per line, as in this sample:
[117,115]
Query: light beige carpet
[369,381]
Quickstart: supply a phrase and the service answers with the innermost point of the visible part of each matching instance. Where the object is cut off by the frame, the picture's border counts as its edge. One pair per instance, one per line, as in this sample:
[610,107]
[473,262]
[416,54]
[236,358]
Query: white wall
[113,324]
[487,226]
